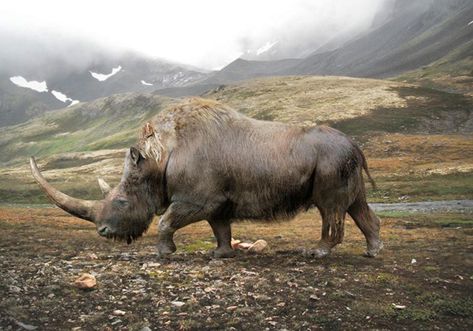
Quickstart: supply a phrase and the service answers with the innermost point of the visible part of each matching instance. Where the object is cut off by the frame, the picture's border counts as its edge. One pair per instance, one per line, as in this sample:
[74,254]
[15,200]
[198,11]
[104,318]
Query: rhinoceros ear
[136,155]
[147,131]
[104,187]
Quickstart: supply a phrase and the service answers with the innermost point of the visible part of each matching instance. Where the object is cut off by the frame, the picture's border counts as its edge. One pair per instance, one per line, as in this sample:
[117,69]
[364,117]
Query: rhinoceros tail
[365,166]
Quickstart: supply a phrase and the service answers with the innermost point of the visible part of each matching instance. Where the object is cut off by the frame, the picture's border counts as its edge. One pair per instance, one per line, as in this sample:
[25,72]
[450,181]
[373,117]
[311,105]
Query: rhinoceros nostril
[103,230]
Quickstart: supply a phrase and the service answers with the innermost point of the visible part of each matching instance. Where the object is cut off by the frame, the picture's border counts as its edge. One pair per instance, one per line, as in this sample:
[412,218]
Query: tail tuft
[365,167]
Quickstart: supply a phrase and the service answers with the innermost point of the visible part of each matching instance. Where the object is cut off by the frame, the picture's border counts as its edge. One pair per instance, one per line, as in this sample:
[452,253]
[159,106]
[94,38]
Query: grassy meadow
[418,140]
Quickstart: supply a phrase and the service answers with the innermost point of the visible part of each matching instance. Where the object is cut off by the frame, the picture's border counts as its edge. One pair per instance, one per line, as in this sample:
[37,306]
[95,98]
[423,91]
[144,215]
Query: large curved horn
[85,209]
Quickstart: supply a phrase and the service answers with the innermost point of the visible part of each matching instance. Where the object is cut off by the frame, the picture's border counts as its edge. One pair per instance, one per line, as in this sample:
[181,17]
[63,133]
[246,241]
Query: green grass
[452,72]
[466,222]
[394,214]
[412,314]
[427,110]
[199,245]
[428,306]
[117,140]
[439,219]
[462,308]
[86,127]
[384,278]
[421,188]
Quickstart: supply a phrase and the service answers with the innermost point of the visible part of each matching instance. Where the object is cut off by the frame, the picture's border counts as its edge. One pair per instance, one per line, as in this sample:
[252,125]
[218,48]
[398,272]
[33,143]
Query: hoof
[166,249]
[374,249]
[317,253]
[222,253]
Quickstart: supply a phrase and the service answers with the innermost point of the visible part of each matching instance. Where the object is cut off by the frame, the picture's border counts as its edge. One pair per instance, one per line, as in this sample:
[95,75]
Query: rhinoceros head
[126,211]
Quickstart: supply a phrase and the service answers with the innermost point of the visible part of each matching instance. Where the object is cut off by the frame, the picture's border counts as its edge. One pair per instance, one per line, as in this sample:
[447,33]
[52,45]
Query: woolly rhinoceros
[201,160]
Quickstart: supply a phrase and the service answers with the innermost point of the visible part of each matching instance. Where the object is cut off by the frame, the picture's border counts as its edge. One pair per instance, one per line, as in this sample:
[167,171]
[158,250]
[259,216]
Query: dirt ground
[422,280]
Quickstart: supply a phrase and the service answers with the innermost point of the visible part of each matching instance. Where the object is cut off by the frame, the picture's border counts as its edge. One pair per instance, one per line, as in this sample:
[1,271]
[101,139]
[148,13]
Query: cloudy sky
[204,33]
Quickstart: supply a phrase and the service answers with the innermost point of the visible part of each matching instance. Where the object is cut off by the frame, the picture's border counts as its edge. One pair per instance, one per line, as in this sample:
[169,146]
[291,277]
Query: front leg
[223,233]
[178,215]
[166,243]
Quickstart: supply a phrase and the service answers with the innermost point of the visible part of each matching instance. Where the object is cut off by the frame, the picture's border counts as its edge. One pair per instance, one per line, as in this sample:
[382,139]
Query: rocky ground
[422,280]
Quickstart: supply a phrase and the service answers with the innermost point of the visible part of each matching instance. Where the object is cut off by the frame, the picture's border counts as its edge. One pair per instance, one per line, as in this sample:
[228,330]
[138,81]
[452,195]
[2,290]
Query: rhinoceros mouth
[109,233]
[129,238]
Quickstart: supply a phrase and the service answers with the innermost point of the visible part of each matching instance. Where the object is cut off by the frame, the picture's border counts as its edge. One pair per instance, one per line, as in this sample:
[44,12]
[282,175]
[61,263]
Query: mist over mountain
[403,35]
[78,69]
[317,26]
[374,39]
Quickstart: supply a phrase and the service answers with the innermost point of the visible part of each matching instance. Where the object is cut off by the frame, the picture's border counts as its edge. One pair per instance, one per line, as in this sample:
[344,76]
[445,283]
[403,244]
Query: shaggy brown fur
[226,166]
[180,122]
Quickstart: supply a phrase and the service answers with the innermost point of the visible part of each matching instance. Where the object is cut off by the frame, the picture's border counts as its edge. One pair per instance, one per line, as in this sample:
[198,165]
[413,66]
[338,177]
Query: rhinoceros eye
[120,203]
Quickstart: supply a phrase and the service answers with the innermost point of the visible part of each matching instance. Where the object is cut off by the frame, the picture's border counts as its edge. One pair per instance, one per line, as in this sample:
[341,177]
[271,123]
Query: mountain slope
[104,123]
[358,106]
[418,141]
[244,69]
[17,103]
[404,36]
[418,33]
[81,71]
[137,74]
[452,73]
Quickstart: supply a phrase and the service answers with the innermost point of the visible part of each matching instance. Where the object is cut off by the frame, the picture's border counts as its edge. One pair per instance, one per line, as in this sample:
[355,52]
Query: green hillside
[18,103]
[419,141]
[359,107]
[105,123]
[74,145]
[452,73]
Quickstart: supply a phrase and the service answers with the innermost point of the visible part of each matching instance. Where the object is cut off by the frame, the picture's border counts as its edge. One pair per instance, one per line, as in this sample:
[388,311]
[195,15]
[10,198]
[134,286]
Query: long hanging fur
[150,141]
[194,114]
[284,165]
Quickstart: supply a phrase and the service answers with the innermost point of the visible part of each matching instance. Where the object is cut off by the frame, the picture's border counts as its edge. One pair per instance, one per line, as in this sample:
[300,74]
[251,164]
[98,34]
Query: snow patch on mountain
[266,47]
[145,83]
[60,96]
[64,98]
[32,84]
[104,77]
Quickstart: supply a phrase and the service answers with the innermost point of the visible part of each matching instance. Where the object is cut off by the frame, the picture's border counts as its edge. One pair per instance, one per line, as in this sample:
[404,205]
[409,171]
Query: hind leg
[333,222]
[368,223]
